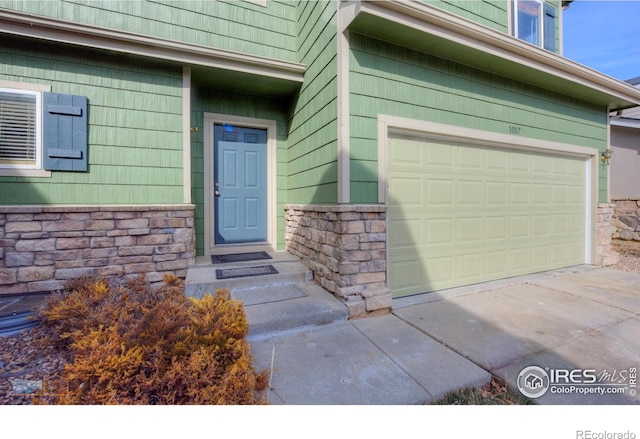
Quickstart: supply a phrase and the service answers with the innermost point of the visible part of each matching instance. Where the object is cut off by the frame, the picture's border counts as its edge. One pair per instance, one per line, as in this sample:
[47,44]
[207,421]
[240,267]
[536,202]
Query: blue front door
[240,184]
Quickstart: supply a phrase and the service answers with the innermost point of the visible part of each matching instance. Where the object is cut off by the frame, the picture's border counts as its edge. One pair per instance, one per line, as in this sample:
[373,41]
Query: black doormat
[230,273]
[239,257]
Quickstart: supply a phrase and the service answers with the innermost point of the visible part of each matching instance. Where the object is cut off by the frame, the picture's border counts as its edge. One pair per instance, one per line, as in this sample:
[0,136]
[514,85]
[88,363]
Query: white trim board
[272,179]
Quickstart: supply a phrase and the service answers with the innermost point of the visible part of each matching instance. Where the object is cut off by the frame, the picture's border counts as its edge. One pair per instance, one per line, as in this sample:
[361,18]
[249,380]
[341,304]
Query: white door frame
[387,124]
[210,119]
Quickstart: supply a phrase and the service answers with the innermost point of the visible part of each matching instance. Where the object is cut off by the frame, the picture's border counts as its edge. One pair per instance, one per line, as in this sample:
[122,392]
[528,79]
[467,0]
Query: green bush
[135,345]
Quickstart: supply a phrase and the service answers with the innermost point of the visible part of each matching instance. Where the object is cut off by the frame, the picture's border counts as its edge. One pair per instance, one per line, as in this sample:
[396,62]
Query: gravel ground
[24,364]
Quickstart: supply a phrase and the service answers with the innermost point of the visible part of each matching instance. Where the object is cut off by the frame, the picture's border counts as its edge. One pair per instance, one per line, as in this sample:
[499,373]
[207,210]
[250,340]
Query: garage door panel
[469,157]
[409,191]
[469,230]
[407,233]
[518,162]
[520,193]
[496,193]
[496,228]
[496,263]
[469,193]
[439,231]
[439,154]
[483,213]
[470,267]
[439,192]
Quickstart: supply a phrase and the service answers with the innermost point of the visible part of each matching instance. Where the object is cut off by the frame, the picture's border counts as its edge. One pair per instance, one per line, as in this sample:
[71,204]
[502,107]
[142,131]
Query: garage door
[461,214]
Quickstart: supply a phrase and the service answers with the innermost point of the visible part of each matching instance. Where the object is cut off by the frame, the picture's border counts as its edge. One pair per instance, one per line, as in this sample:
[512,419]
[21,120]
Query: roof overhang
[272,73]
[432,30]
[627,123]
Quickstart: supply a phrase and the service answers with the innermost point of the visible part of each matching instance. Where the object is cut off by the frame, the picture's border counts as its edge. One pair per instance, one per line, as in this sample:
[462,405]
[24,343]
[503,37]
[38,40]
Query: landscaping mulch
[25,364]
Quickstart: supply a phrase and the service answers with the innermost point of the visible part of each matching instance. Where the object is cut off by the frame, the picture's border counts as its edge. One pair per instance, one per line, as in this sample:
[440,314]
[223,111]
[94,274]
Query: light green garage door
[461,214]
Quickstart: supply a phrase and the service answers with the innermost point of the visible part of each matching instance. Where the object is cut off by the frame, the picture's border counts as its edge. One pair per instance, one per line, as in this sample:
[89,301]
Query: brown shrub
[135,345]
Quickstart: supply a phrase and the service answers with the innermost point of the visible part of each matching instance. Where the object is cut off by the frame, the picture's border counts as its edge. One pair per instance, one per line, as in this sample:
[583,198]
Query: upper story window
[533,21]
[20,116]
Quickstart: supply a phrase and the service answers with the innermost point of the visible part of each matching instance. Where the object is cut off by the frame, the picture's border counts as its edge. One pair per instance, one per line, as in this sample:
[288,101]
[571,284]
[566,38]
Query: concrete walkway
[584,320]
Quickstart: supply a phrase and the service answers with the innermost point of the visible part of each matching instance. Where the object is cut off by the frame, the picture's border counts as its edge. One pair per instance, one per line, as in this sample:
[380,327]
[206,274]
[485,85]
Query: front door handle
[216,193]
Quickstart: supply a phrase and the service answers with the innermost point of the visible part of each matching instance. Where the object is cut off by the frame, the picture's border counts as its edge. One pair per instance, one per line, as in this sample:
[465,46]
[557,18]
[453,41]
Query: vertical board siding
[491,13]
[312,142]
[210,100]
[230,25]
[388,79]
[134,129]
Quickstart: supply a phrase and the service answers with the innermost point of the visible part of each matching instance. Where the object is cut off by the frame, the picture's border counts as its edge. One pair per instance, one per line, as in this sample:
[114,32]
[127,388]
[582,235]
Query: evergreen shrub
[131,344]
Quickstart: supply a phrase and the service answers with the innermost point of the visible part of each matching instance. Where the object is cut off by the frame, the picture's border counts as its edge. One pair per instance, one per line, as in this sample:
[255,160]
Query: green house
[397,147]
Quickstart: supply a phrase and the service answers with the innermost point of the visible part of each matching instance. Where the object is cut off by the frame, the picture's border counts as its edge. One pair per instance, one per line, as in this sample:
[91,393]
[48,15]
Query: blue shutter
[64,137]
[549,27]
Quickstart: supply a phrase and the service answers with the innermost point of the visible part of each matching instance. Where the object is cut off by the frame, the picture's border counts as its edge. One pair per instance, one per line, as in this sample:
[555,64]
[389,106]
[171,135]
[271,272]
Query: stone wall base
[626,220]
[344,246]
[604,231]
[41,247]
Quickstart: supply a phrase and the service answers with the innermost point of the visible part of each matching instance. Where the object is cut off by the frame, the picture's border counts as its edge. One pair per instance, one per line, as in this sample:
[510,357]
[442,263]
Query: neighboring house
[398,147]
[625,163]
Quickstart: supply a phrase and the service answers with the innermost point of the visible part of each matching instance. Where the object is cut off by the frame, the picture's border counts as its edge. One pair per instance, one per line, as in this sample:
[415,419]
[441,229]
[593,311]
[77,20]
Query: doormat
[259,296]
[239,257]
[230,273]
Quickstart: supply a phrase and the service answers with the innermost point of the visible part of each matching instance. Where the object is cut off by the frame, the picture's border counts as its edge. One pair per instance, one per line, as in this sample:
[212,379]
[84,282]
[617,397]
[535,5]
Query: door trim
[419,128]
[210,119]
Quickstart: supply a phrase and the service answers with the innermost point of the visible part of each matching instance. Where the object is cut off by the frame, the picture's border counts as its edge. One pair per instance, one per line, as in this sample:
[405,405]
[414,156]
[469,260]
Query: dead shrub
[131,344]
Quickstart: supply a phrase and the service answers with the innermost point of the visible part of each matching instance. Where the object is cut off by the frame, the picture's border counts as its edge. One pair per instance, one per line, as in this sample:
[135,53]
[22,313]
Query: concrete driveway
[576,332]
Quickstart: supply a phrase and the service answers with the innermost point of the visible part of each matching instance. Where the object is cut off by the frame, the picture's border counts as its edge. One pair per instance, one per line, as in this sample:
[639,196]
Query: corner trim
[186,134]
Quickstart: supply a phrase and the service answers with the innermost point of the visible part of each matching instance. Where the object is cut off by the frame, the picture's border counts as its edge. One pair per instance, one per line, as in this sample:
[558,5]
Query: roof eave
[63,31]
[481,46]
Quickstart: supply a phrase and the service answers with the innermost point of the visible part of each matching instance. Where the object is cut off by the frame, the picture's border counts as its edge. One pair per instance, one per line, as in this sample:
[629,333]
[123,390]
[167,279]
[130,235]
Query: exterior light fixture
[605,156]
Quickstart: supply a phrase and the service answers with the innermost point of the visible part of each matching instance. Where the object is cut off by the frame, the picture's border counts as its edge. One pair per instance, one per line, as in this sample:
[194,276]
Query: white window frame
[35,169]
[515,24]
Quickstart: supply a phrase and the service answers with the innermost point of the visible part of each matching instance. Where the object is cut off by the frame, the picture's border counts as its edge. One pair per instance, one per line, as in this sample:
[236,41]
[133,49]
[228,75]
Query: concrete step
[202,278]
[286,301]
[273,310]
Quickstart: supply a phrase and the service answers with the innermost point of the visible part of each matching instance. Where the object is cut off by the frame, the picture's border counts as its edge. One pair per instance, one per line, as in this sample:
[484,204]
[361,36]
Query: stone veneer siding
[344,246]
[626,220]
[41,247]
[604,231]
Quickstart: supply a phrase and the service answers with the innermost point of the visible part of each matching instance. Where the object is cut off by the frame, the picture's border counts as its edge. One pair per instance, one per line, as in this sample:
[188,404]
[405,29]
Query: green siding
[209,100]
[312,142]
[230,25]
[491,13]
[134,133]
[387,79]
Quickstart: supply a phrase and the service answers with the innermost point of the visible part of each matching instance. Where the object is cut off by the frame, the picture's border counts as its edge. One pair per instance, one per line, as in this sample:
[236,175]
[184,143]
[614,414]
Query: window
[533,21]
[41,131]
[20,121]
